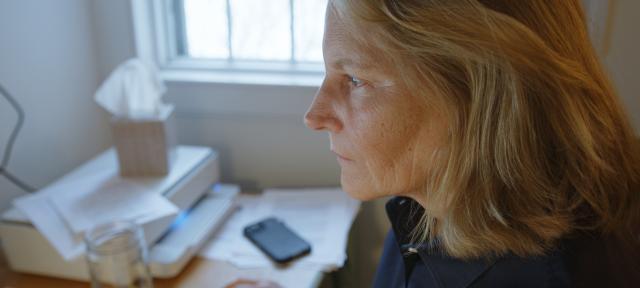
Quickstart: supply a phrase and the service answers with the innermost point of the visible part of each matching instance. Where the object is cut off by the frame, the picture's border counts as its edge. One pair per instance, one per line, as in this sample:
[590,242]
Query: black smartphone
[276,240]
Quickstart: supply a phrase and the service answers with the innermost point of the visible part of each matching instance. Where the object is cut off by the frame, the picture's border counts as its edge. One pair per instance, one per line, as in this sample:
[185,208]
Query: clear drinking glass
[117,256]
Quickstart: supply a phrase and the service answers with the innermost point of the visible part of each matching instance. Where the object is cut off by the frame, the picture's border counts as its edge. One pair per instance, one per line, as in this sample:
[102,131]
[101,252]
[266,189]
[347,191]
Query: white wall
[48,62]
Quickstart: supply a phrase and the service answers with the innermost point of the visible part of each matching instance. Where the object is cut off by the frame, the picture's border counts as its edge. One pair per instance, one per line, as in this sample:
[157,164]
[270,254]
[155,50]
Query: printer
[192,186]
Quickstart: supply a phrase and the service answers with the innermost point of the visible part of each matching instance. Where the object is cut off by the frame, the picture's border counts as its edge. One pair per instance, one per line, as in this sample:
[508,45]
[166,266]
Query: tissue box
[145,145]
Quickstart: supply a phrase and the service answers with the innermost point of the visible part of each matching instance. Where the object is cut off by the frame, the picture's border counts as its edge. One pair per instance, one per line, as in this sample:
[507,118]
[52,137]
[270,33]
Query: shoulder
[580,260]
[442,271]
[512,271]
[584,261]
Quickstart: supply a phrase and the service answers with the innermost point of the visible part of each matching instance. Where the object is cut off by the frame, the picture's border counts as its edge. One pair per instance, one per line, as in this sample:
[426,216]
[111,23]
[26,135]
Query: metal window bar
[293,35]
[182,48]
[229,31]
[182,45]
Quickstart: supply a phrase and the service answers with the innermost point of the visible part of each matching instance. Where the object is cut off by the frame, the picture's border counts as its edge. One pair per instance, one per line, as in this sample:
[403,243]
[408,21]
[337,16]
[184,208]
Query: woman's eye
[355,81]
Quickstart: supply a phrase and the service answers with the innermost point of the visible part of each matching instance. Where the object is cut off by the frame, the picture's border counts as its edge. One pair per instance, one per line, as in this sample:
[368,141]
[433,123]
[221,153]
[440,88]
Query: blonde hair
[538,145]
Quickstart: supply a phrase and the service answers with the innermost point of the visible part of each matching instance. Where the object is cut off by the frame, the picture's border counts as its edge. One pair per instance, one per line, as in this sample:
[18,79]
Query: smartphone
[276,240]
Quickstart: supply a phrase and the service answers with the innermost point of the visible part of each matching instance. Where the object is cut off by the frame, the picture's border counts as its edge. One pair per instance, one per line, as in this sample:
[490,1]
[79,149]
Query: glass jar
[117,256]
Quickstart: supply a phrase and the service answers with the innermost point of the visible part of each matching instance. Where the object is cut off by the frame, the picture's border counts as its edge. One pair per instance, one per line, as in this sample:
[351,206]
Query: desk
[199,273]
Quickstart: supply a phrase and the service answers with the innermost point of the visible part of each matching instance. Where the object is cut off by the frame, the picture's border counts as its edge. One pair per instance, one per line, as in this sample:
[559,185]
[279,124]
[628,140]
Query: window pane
[206,28]
[260,29]
[308,29]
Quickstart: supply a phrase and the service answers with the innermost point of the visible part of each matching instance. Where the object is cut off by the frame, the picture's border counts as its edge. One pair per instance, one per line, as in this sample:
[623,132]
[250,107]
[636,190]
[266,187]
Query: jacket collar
[404,214]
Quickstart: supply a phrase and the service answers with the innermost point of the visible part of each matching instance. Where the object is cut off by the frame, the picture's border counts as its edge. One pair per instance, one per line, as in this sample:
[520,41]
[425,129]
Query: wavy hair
[538,145]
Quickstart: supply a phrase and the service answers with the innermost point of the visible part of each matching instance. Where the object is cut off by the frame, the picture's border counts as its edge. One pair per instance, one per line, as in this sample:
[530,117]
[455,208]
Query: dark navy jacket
[580,262]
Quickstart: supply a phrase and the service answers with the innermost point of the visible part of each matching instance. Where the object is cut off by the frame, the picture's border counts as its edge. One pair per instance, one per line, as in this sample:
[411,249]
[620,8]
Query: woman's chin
[359,192]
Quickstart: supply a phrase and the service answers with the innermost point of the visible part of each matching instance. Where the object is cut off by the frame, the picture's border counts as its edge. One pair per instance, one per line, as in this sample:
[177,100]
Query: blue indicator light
[179,220]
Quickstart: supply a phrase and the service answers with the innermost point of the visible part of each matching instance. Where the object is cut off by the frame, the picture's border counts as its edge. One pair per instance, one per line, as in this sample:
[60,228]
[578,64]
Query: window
[280,39]
[245,35]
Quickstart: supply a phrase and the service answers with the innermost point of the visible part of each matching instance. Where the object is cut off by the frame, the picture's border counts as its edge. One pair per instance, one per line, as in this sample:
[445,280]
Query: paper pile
[323,217]
[94,194]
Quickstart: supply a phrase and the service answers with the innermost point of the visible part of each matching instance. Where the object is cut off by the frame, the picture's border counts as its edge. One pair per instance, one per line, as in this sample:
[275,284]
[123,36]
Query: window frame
[155,33]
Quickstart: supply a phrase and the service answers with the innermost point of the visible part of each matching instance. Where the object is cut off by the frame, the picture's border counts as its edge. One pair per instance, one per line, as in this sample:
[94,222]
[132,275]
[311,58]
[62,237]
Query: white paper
[45,218]
[60,206]
[102,196]
[110,199]
[134,89]
[321,216]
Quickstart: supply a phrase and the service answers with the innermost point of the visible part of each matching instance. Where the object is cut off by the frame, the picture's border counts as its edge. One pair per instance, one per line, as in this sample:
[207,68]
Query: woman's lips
[342,158]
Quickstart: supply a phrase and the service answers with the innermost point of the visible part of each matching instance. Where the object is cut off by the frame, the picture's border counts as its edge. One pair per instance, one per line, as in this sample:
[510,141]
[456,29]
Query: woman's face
[383,135]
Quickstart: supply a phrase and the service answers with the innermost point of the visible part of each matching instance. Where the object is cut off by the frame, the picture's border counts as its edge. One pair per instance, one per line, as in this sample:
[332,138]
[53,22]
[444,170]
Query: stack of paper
[323,217]
[94,194]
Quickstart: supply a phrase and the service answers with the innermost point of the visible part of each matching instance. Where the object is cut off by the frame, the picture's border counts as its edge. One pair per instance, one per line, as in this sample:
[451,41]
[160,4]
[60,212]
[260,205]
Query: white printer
[172,240]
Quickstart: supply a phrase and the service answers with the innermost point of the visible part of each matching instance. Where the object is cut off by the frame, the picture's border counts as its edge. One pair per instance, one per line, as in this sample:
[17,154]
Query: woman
[495,126]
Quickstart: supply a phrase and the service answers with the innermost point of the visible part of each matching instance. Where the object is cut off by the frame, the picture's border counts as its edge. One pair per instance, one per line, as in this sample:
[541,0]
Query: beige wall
[623,58]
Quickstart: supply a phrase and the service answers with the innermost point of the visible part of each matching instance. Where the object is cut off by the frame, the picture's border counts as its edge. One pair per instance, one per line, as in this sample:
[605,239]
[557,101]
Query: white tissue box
[145,145]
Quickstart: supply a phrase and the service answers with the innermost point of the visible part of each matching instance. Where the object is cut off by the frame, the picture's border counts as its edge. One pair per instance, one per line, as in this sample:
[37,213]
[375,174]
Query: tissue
[142,126]
[133,90]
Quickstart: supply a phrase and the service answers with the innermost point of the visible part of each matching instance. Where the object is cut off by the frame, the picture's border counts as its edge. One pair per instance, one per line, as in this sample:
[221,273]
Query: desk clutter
[183,214]
[323,217]
[42,233]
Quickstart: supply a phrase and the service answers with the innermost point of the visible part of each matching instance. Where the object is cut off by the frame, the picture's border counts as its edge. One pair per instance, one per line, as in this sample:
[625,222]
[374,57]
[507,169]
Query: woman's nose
[321,114]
